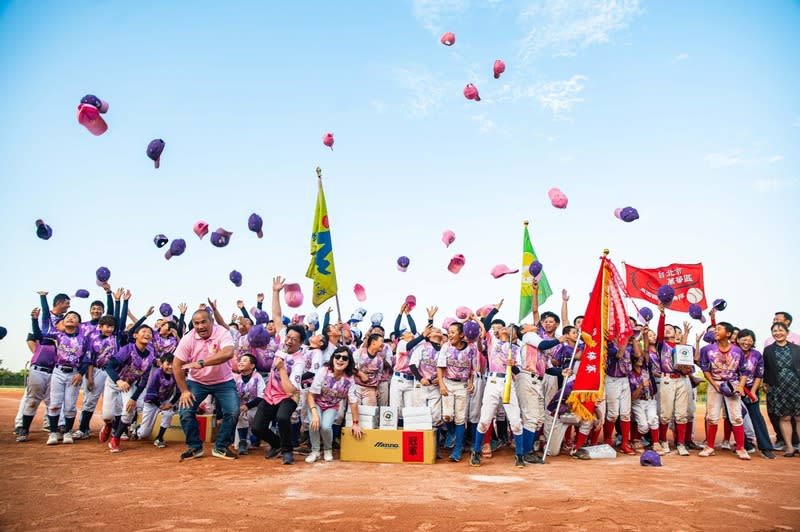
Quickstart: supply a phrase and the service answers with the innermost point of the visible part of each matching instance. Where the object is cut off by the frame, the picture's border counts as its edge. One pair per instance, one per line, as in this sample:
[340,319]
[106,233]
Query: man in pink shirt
[786,319]
[206,351]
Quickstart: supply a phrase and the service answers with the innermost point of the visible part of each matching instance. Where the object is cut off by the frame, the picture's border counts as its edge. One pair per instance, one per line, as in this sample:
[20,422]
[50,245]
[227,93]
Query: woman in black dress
[782,379]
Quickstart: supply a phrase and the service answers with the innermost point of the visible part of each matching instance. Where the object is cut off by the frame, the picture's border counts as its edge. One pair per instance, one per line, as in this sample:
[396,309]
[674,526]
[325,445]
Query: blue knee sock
[459,444]
[527,441]
[518,444]
[478,441]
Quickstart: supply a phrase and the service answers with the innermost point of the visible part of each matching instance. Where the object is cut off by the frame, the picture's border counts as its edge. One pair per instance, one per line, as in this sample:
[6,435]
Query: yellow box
[390,446]
[207,427]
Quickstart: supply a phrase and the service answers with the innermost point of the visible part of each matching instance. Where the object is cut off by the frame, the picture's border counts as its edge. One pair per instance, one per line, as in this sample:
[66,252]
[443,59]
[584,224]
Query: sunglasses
[341,357]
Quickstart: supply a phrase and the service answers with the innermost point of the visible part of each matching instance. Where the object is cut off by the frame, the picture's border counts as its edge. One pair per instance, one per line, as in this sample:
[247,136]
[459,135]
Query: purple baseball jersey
[723,366]
[618,367]
[164,344]
[424,356]
[132,365]
[754,361]
[70,348]
[498,355]
[100,348]
[44,355]
[160,387]
[649,388]
[248,387]
[330,392]
[458,363]
[372,366]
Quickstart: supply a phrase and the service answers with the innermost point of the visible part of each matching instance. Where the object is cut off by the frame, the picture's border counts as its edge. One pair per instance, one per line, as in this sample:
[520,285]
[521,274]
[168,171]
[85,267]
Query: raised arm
[535,302]
[277,315]
[217,315]
[564,313]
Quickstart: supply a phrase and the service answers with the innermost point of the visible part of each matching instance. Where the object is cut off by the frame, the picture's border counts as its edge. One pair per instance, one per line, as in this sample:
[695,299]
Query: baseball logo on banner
[685,279]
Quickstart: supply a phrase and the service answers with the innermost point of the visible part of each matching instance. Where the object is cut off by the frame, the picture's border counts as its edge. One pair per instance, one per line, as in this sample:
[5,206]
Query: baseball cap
[3,332]
[629,214]
[200,229]
[176,248]
[236,278]
[103,274]
[258,336]
[696,312]
[376,319]
[463,313]
[471,92]
[411,302]
[43,230]
[720,304]
[89,117]
[165,310]
[255,224]
[501,269]
[154,151]
[327,140]
[447,323]
[91,99]
[535,268]
[160,240]
[498,68]
[456,263]
[448,237]
[402,263]
[448,38]
[82,293]
[293,295]
[650,458]
[360,292]
[558,199]
[666,294]
[220,237]
[645,313]
[471,330]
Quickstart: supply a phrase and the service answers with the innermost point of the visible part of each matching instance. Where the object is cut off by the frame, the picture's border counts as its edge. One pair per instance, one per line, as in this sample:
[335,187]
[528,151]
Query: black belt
[66,369]
[42,368]
[406,376]
[498,375]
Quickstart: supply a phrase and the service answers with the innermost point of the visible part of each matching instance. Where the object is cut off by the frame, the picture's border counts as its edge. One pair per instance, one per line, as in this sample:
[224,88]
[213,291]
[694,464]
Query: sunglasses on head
[341,357]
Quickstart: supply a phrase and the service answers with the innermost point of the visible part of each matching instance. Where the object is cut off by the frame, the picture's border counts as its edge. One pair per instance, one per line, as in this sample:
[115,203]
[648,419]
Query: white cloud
[725,160]
[681,57]
[429,13]
[425,92]
[772,184]
[563,27]
[558,96]
[485,124]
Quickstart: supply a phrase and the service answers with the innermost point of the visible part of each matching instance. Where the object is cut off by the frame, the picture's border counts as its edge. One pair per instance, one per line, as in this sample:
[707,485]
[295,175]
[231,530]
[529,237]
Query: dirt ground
[83,486]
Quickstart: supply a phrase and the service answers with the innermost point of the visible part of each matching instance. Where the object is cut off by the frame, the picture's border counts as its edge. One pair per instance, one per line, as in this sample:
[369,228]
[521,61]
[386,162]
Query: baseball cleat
[475,459]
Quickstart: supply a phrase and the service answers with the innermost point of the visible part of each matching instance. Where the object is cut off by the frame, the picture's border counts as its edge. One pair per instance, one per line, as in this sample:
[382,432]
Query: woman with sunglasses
[333,384]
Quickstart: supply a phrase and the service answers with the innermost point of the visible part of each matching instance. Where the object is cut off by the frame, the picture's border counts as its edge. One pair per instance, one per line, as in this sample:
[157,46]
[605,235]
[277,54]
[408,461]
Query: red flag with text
[685,279]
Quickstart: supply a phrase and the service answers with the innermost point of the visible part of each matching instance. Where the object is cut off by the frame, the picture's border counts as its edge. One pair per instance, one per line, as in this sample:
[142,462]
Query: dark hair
[786,316]
[251,357]
[372,338]
[59,298]
[97,303]
[459,326]
[549,314]
[107,320]
[299,330]
[779,324]
[747,332]
[351,364]
[167,357]
[379,326]
[728,327]
[73,312]
[575,320]
[142,326]
[567,329]
[498,321]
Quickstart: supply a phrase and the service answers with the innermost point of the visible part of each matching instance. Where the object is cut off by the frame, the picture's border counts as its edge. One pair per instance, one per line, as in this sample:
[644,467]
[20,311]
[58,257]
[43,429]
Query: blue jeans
[225,394]
[759,426]
[326,419]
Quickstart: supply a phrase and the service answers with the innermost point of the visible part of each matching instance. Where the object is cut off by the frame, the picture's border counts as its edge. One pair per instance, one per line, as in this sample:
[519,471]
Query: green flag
[526,286]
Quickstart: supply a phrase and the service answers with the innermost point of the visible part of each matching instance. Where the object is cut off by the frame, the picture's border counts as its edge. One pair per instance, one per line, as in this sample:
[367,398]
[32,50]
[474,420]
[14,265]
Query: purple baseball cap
[91,99]
[103,274]
[726,388]
[535,268]
[176,248]
[629,214]
[258,336]
[3,332]
[646,314]
[260,316]
[255,223]
[154,151]
[43,230]
[220,237]
[402,263]
[165,310]
[696,312]
[82,293]
[710,337]
[160,241]
[720,304]
[666,294]
[236,278]
[471,330]
[650,458]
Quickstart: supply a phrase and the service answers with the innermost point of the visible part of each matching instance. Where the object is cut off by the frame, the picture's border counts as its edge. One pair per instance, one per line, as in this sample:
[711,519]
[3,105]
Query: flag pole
[564,386]
[336,296]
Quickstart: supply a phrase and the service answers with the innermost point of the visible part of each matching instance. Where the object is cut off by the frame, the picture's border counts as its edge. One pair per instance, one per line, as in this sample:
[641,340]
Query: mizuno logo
[385,445]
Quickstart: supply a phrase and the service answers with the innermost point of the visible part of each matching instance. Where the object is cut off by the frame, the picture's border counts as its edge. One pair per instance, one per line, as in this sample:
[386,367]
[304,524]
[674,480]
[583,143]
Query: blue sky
[686,110]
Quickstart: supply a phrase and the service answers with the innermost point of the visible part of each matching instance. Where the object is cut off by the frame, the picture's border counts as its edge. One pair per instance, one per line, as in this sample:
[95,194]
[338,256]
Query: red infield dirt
[83,486]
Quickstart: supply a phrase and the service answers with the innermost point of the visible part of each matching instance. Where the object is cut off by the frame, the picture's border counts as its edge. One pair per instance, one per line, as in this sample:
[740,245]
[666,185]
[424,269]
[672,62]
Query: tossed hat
[456,263]
[448,237]
[286,321]
[448,322]
[43,230]
[3,332]
[160,240]
[666,294]
[82,293]
[176,248]
[154,151]
[535,268]
[200,228]
[402,263]
[471,92]
[618,213]
[220,237]
[165,310]
[448,38]
[376,319]
[236,278]
[355,317]
[91,99]
[501,269]
[255,223]
[260,316]
[298,318]
[558,199]
[360,292]
[696,312]
[411,302]
[103,274]
[629,214]
[293,295]
[710,337]
[89,117]
[361,311]
[499,68]
[650,458]
[463,313]
[645,313]
[720,304]
[484,311]
[471,330]
[327,140]
[258,336]
[313,319]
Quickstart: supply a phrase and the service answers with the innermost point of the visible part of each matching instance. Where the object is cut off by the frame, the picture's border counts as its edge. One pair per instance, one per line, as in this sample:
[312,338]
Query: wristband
[355,422]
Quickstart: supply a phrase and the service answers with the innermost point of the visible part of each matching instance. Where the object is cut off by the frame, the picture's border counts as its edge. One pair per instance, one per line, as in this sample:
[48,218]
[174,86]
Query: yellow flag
[321,270]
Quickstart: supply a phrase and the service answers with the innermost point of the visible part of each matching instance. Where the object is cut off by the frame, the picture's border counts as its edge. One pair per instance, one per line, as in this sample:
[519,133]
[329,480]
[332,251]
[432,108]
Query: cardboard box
[365,422]
[368,410]
[414,411]
[427,418]
[388,419]
[390,446]
[207,427]
[418,425]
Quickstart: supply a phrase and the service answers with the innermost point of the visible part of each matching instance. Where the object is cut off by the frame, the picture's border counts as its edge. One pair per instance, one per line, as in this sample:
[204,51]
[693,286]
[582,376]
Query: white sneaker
[682,451]
[742,454]
[726,446]
[52,439]
[665,447]
[313,457]
[328,454]
[68,438]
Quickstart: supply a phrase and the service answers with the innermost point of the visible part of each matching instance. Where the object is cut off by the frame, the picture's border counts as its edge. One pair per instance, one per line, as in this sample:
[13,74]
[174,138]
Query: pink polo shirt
[193,348]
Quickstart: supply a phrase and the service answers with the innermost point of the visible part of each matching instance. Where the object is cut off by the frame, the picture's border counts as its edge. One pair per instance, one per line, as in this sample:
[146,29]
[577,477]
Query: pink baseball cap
[484,311]
[456,263]
[558,198]
[448,38]
[200,229]
[463,313]
[448,237]
[411,301]
[360,292]
[499,68]
[501,270]
[293,295]
[327,139]
[447,323]
[89,117]
[471,92]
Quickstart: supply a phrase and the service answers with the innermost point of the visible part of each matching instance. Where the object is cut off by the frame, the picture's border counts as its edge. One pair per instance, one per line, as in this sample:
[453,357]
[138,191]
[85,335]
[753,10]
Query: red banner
[685,279]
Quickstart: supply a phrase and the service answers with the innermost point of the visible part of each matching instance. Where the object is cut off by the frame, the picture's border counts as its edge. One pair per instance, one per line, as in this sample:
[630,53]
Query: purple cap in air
[720,304]
[220,237]
[629,214]
[236,278]
[646,314]
[260,316]
[160,241]
[650,458]
[535,268]
[103,274]
[3,332]
[710,337]
[91,99]
[258,336]
[43,230]
[471,330]
[255,223]
[176,248]
[154,150]
[696,312]
[666,294]
[165,309]
[82,293]
[402,263]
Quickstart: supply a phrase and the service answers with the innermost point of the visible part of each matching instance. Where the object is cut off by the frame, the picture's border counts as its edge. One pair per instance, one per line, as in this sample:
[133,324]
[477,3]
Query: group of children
[459,371]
